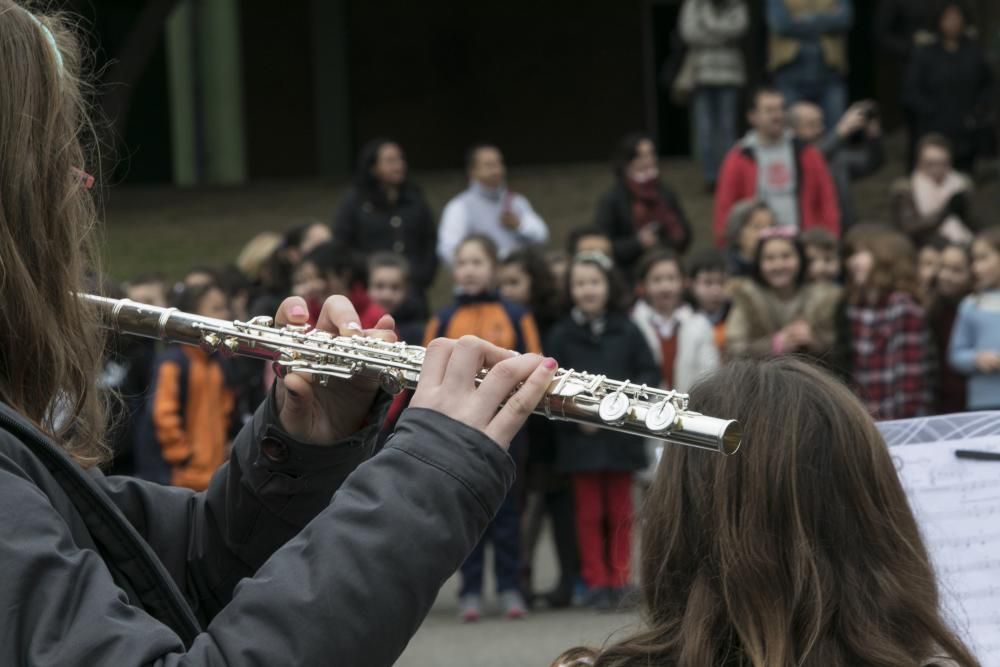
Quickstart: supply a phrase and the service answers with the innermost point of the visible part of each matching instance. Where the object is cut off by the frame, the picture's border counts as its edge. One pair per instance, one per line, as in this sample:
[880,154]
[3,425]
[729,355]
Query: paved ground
[496,642]
[537,640]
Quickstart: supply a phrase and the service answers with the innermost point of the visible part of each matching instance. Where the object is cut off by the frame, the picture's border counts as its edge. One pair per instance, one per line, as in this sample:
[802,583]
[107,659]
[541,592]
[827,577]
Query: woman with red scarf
[640,212]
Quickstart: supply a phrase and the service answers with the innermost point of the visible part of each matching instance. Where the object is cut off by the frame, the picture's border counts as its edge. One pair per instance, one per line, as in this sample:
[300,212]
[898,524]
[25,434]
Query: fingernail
[550,363]
[354,326]
[298,311]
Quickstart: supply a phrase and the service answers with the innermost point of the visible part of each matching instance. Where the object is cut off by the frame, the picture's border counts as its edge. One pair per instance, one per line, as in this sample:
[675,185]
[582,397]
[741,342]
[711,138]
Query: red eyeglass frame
[86,179]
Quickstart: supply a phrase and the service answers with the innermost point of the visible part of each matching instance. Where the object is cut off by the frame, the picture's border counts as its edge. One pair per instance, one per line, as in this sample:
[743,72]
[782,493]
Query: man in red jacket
[771,164]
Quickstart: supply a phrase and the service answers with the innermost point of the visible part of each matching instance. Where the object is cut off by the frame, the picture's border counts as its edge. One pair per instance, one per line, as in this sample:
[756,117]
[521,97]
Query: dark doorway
[143,154]
[673,121]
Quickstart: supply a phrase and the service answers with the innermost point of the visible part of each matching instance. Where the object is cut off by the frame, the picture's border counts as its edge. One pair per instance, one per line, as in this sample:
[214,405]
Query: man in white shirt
[488,207]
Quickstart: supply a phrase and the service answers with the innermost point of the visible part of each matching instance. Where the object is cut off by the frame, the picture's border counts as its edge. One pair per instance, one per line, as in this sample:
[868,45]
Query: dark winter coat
[897,23]
[260,569]
[951,93]
[614,218]
[621,353]
[406,227]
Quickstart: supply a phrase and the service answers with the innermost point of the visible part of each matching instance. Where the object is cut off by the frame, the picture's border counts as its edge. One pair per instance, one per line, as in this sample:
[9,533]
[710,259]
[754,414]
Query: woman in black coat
[949,89]
[385,211]
[640,211]
[599,338]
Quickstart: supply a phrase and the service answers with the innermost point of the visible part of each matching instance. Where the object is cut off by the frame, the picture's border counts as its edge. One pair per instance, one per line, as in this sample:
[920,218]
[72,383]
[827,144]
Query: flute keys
[661,417]
[614,408]
[210,342]
[231,346]
[391,382]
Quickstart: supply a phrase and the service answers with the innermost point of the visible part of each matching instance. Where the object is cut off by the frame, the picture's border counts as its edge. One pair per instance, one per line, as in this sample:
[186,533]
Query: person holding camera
[853,148]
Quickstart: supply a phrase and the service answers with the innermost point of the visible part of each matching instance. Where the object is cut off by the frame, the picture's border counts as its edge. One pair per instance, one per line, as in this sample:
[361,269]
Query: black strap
[119,542]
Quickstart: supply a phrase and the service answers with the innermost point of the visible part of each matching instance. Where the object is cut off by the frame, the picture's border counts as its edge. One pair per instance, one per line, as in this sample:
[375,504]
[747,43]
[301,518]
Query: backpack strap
[147,451]
[514,314]
[444,319]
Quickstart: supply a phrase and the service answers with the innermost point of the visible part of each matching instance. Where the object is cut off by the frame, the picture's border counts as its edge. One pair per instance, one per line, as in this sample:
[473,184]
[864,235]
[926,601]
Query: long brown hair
[50,346]
[895,261]
[799,550]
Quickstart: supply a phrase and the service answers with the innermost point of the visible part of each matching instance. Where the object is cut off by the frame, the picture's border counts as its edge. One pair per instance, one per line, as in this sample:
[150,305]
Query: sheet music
[957,505]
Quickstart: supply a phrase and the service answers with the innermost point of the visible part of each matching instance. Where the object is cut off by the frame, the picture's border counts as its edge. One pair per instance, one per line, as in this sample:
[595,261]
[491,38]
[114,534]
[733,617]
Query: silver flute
[573,396]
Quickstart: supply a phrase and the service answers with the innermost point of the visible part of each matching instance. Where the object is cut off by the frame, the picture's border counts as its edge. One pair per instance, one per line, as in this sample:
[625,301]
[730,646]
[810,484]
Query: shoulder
[520,200]
[809,155]
[823,291]
[172,354]
[695,321]
[980,305]
[745,289]
[12,448]
[349,198]
[640,310]
[968,304]
[622,322]
[614,194]
[19,458]
[560,330]
[456,204]
[741,154]
[965,183]
[558,327]
[411,191]
[515,312]
[446,313]
[352,202]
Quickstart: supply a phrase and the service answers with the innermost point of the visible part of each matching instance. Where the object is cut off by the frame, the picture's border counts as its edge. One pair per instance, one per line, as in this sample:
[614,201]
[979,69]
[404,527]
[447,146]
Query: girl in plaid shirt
[888,343]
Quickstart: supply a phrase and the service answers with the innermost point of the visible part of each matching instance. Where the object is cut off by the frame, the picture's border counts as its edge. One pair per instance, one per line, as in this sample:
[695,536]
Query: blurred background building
[227,92]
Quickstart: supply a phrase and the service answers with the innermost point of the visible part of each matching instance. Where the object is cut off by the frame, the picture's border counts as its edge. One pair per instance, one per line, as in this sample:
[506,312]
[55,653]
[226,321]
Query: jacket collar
[492,194]
[489,296]
[645,317]
[595,327]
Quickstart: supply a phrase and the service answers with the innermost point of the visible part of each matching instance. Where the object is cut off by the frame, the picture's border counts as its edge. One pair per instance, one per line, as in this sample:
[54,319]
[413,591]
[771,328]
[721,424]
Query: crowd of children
[914,331]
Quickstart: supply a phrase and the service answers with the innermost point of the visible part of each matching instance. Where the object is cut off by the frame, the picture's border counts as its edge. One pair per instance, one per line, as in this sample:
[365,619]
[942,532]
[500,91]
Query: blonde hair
[51,346]
[255,254]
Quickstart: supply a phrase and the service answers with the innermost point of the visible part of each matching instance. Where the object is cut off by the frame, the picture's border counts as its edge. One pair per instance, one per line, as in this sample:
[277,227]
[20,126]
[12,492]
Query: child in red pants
[598,337]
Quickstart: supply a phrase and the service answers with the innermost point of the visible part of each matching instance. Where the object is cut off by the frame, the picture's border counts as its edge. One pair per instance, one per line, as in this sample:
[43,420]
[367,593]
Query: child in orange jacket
[479,311]
[191,403]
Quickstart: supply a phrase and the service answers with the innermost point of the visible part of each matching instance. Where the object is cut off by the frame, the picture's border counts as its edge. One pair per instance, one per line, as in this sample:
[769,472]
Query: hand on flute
[323,415]
[447,385]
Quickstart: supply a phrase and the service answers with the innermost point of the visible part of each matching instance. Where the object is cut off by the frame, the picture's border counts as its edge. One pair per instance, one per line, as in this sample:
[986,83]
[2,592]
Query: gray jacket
[260,569]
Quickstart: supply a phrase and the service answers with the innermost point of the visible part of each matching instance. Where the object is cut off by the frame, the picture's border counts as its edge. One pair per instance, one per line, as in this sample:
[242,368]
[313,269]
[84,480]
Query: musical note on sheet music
[957,504]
